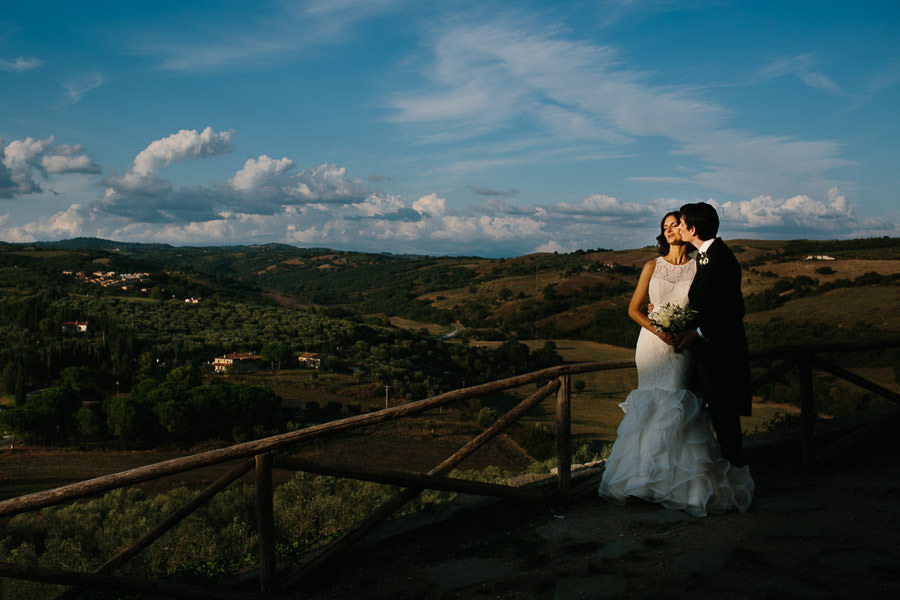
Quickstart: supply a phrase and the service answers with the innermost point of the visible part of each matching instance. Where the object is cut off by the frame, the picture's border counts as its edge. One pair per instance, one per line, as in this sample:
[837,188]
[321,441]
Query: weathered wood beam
[820,347]
[361,529]
[564,434]
[852,377]
[165,525]
[412,480]
[265,523]
[104,483]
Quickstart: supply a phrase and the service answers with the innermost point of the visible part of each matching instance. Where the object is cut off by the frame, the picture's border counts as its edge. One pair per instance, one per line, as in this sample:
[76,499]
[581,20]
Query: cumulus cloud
[263,185]
[69,159]
[272,199]
[376,205]
[64,224]
[20,65]
[180,146]
[430,205]
[797,213]
[276,182]
[600,205]
[25,164]
[142,179]
[261,173]
[384,222]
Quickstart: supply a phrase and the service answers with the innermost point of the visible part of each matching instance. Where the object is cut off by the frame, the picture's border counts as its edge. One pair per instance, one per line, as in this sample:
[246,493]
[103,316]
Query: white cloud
[382,222]
[430,205]
[259,172]
[276,181]
[77,88]
[327,182]
[26,164]
[274,34]
[68,223]
[69,159]
[801,67]
[180,146]
[499,72]
[270,199]
[376,205]
[601,205]
[819,81]
[142,178]
[20,65]
[552,246]
[798,213]
[525,80]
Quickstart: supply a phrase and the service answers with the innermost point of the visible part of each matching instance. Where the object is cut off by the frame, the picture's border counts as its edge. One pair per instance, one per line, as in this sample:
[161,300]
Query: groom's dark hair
[702,216]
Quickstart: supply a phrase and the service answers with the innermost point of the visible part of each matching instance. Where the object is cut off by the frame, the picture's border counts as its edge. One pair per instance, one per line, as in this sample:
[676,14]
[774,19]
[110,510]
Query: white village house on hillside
[237,362]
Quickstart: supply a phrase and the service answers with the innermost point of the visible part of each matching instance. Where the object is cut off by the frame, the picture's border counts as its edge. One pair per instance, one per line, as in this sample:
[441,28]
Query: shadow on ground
[828,532]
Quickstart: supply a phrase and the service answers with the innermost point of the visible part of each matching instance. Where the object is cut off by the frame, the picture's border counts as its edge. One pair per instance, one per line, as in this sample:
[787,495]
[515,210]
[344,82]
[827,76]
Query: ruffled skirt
[666,453]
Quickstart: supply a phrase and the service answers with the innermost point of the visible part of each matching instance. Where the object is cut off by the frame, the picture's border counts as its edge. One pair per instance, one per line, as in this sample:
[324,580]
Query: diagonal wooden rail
[804,357]
[105,483]
[262,456]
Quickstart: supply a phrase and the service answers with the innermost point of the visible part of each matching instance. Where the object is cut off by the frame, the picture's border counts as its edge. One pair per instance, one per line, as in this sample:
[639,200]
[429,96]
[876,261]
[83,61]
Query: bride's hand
[669,338]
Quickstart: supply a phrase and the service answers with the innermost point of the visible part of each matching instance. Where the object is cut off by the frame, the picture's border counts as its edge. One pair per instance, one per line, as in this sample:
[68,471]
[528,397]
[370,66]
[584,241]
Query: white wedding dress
[665,451]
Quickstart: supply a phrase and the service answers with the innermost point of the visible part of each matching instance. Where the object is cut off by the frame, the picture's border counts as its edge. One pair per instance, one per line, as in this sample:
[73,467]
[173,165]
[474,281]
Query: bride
[665,451]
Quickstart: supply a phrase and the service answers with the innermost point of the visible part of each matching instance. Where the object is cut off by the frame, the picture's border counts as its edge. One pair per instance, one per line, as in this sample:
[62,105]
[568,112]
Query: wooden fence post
[807,410]
[265,523]
[564,433]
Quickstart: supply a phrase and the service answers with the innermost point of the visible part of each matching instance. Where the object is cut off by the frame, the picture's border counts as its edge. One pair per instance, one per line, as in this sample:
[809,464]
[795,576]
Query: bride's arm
[641,295]
[639,299]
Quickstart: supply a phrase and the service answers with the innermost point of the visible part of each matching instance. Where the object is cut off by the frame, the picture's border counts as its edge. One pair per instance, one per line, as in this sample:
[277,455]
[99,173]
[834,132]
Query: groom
[719,342]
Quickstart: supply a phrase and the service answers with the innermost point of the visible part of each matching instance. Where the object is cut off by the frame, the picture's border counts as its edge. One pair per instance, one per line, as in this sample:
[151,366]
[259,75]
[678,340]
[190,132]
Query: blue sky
[454,127]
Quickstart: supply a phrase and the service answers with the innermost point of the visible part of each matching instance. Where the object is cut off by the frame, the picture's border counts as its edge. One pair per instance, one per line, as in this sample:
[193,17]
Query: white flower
[672,318]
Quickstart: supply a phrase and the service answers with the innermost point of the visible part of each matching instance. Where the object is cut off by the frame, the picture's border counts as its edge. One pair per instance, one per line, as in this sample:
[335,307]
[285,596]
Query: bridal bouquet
[672,318]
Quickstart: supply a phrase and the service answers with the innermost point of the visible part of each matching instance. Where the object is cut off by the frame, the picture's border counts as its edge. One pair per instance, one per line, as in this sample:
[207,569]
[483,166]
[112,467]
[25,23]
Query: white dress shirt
[704,247]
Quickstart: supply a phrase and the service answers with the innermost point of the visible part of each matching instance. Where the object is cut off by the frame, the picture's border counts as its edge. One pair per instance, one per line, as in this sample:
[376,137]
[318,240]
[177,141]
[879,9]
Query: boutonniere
[702,258]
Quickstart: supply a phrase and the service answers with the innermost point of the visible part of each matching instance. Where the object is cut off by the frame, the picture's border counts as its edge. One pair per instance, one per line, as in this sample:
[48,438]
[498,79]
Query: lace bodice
[658,365]
[671,283]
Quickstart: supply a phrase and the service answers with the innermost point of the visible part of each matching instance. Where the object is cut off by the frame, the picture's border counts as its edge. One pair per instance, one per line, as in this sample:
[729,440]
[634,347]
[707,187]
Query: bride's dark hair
[662,245]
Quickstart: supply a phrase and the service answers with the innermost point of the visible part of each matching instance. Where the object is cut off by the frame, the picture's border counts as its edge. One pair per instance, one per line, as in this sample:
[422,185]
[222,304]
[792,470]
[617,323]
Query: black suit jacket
[716,295]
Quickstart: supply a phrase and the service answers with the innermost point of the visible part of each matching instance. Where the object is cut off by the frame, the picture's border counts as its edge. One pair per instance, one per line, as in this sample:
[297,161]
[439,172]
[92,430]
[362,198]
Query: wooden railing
[804,357]
[262,456]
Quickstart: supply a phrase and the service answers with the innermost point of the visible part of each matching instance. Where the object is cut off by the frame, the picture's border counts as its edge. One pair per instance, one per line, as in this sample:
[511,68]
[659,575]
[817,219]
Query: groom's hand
[688,339]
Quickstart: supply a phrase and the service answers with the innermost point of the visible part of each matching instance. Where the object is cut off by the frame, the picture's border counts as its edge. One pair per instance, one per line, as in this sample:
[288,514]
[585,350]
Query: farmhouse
[237,362]
[313,360]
